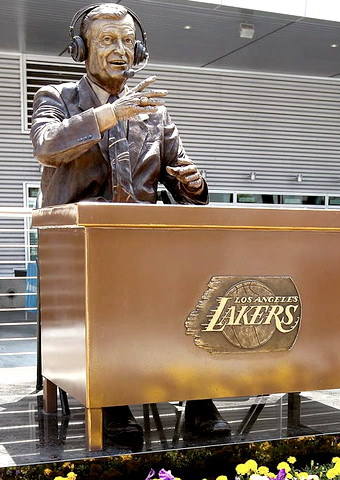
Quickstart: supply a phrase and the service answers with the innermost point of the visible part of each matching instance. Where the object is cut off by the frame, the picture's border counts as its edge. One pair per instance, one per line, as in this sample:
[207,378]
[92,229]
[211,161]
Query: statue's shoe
[202,419]
[121,430]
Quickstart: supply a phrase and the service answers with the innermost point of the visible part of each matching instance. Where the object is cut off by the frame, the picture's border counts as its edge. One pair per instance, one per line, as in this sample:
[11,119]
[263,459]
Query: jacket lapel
[88,99]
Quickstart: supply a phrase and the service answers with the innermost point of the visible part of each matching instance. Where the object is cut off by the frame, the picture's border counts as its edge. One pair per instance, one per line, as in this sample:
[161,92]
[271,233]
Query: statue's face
[110,51]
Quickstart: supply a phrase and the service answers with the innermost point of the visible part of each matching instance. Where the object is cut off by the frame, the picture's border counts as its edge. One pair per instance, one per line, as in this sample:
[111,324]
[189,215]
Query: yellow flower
[59,478]
[302,475]
[271,475]
[336,468]
[242,469]
[72,476]
[47,471]
[289,475]
[251,465]
[285,466]
[263,470]
[331,473]
[335,459]
[291,459]
[126,457]
[222,477]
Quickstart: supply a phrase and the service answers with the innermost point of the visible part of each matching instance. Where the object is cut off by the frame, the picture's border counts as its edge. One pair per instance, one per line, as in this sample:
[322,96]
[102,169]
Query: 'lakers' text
[255,310]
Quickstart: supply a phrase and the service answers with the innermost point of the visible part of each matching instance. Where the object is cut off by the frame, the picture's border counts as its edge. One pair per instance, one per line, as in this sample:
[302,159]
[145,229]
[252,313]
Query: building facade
[260,138]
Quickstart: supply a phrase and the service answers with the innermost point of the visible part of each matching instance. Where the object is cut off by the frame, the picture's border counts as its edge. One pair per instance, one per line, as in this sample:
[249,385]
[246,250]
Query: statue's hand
[138,100]
[188,174]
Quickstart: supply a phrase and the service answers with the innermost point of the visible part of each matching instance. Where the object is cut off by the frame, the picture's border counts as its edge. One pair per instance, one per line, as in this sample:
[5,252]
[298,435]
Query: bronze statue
[98,140]
[73,125]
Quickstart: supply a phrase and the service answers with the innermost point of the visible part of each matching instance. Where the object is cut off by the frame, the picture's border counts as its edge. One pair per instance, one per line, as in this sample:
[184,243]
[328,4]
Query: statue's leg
[94,428]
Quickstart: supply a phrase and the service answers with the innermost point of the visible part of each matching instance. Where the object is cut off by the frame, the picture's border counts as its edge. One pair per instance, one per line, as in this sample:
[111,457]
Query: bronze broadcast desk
[123,288]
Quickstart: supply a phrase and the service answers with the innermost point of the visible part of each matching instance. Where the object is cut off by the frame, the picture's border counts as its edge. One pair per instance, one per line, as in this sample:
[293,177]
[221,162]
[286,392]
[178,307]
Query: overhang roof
[281,43]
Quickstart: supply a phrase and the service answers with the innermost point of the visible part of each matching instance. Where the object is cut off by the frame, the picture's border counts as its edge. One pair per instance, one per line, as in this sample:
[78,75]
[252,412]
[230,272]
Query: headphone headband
[77,46]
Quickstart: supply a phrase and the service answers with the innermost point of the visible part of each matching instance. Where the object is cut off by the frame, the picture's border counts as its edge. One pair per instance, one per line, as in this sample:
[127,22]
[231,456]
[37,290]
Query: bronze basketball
[242,335]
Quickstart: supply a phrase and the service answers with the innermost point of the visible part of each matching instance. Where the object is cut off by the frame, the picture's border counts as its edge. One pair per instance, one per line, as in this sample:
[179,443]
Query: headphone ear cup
[77,49]
[140,53]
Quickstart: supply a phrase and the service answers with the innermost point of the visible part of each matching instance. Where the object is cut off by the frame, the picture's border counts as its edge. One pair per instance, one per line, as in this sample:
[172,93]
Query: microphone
[130,72]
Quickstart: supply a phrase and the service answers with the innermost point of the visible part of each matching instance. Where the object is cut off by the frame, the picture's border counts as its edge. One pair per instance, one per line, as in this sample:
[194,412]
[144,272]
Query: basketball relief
[240,314]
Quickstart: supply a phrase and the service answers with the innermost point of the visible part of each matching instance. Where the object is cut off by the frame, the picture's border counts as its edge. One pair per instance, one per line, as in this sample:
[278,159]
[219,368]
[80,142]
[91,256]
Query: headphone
[78,50]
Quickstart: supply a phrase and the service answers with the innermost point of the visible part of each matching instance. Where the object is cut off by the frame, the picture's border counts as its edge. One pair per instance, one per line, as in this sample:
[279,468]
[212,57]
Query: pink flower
[281,475]
[165,475]
[151,474]
[162,474]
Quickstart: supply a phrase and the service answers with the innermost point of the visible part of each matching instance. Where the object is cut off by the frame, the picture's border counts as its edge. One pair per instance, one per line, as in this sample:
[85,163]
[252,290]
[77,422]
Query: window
[275,199]
[220,197]
[31,192]
[334,201]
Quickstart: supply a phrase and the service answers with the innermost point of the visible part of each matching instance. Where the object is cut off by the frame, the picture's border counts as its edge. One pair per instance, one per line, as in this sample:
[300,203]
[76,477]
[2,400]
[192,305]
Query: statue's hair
[105,10]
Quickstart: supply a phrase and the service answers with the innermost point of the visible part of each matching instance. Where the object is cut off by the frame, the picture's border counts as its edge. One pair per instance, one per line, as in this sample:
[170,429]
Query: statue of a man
[75,126]
[98,140]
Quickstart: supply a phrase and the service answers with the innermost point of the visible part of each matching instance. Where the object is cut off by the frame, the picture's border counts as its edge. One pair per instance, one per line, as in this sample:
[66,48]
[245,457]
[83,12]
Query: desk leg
[294,410]
[94,429]
[49,396]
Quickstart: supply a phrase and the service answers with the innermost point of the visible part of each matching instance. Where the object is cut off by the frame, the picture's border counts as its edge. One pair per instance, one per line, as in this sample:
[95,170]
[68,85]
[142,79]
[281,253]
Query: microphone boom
[130,72]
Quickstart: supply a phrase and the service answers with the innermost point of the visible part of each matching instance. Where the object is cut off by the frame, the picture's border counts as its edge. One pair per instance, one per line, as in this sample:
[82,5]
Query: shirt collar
[103,95]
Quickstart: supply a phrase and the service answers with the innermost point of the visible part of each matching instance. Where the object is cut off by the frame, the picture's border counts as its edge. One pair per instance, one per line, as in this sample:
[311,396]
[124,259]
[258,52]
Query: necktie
[122,187]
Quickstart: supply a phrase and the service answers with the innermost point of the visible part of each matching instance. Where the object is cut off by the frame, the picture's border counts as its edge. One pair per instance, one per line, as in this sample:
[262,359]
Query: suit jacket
[67,141]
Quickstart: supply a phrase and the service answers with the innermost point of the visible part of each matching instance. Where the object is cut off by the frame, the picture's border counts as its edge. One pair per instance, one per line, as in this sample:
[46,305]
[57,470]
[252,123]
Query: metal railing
[18,287]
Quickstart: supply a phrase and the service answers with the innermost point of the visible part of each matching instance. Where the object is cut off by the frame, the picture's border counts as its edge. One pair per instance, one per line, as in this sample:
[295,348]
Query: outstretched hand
[138,100]
[188,174]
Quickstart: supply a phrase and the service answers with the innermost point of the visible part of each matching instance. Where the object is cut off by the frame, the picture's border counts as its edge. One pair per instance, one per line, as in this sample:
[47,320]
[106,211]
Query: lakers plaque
[246,314]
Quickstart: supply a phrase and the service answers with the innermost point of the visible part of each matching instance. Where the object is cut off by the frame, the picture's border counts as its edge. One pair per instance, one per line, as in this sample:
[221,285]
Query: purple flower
[151,474]
[281,475]
[167,475]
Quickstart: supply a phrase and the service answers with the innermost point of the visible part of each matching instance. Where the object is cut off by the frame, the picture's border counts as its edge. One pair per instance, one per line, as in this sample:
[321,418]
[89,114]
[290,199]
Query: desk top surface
[90,214]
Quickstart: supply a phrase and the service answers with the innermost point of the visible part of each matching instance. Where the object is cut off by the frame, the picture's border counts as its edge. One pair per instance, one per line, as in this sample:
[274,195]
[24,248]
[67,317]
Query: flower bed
[250,470]
[210,463]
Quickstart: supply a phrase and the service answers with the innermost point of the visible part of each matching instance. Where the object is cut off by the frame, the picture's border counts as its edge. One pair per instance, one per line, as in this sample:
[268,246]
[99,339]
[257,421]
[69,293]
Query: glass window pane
[264,198]
[334,201]
[248,198]
[220,197]
[303,200]
[33,192]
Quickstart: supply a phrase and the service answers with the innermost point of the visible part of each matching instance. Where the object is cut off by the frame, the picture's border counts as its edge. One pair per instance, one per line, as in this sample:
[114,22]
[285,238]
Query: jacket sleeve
[58,138]
[172,151]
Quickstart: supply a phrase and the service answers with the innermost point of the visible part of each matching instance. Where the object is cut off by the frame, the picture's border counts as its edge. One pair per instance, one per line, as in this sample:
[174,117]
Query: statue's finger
[174,171]
[144,83]
[186,170]
[147,109]
[196,184]
[153,102]
[155,93]
[192,178]
[184,161]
